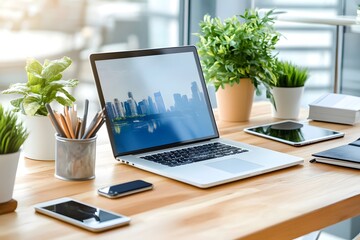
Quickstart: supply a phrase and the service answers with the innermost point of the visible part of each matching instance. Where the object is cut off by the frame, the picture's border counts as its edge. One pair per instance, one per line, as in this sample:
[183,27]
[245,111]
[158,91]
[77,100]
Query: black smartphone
[123,189]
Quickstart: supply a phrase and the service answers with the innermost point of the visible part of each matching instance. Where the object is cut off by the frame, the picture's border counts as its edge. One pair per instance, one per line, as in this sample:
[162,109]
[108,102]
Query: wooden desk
[281,205]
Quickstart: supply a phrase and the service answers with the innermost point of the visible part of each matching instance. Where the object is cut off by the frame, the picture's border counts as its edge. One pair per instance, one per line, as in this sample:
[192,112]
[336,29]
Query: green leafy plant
[44,85]
[231,49]
[290,75]
[12,132]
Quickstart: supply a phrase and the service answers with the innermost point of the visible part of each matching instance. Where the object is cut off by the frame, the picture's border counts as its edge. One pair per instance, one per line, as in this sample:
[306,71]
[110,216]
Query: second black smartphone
[124,189]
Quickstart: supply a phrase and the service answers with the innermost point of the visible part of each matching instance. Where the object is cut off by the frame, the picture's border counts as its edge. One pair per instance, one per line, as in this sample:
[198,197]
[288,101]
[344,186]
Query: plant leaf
[55,67]
[16,102]
[31,105]
[17,88]
[34,69]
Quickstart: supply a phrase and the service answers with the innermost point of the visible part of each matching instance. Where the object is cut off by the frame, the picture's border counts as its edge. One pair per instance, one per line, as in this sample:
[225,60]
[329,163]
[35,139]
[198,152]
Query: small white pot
[288,102]
[40,144]
[8,168]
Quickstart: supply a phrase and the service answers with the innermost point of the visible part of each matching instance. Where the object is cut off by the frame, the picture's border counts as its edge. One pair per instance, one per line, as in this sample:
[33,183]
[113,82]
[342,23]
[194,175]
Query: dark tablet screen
[294,133]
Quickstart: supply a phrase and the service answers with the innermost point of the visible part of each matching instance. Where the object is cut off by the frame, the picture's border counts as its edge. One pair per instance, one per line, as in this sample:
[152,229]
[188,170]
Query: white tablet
[81,214]
[294,133]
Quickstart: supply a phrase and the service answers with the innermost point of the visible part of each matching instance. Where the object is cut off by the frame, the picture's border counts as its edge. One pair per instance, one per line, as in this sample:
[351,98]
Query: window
[50,29]
[308,45]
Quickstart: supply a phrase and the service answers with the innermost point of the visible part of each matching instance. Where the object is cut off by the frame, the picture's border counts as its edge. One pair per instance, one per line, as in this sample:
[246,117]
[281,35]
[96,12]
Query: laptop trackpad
[234,165]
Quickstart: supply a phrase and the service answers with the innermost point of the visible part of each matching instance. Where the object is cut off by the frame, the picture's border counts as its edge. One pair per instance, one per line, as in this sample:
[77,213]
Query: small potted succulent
[44,85]
[288,89]
[12,136]
[237,58]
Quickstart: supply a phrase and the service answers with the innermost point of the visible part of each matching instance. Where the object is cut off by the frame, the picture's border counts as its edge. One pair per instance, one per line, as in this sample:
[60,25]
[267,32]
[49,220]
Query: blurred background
[50,29]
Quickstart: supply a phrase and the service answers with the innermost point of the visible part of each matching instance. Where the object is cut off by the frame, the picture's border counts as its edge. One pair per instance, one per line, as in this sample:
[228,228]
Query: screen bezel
[336,134]
[151,52]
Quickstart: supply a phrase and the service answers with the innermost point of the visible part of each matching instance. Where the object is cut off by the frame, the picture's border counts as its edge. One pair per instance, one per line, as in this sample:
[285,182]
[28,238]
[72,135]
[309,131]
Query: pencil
[83,124]
[55,123]
[92,124]
[78,128]
[96,120]
[61,118]
[96,129]
[68,121]
[74,118]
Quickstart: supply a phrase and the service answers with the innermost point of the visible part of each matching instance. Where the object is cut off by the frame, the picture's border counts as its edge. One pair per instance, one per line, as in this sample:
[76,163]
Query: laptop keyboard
[194,154]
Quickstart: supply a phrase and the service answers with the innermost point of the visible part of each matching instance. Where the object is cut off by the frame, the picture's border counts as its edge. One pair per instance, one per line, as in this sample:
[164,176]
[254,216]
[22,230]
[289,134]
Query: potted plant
[288,89]
[44,85]
[237,57]
[12,136]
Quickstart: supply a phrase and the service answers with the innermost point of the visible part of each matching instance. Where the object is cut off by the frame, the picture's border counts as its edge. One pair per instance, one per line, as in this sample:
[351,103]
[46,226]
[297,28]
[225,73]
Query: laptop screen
[154,98]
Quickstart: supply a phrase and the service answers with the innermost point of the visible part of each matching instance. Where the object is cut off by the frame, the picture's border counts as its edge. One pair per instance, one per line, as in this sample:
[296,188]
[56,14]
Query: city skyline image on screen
[154,101]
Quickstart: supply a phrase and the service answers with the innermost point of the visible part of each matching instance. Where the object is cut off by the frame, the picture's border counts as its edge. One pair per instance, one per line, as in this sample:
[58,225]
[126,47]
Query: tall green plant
[44,85]
[290,75]
[12,132]
[231,49]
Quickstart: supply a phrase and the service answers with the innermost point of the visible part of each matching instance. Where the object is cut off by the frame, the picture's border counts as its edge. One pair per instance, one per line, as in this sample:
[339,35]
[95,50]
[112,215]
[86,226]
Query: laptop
[159,119]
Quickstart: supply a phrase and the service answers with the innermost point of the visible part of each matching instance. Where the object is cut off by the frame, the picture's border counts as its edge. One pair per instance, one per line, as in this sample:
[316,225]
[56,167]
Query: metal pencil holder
[75,158]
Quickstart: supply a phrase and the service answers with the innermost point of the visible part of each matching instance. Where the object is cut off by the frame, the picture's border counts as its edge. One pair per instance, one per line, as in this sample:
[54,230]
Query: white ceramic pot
[40,144]
[8,168]
[288,102]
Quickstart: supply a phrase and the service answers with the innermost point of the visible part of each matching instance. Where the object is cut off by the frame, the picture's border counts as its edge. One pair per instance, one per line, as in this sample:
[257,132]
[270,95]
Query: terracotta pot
[235,102]
[8,168]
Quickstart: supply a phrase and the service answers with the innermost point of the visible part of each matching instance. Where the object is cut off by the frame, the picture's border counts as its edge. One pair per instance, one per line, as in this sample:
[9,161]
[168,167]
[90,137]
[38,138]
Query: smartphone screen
[123,189]
[81,212]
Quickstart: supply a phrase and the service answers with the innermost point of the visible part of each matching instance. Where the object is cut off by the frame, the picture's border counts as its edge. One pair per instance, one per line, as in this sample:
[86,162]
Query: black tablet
[294,133]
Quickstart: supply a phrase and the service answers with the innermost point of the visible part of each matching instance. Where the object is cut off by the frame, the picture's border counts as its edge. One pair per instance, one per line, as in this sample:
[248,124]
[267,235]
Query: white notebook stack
[337,108]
